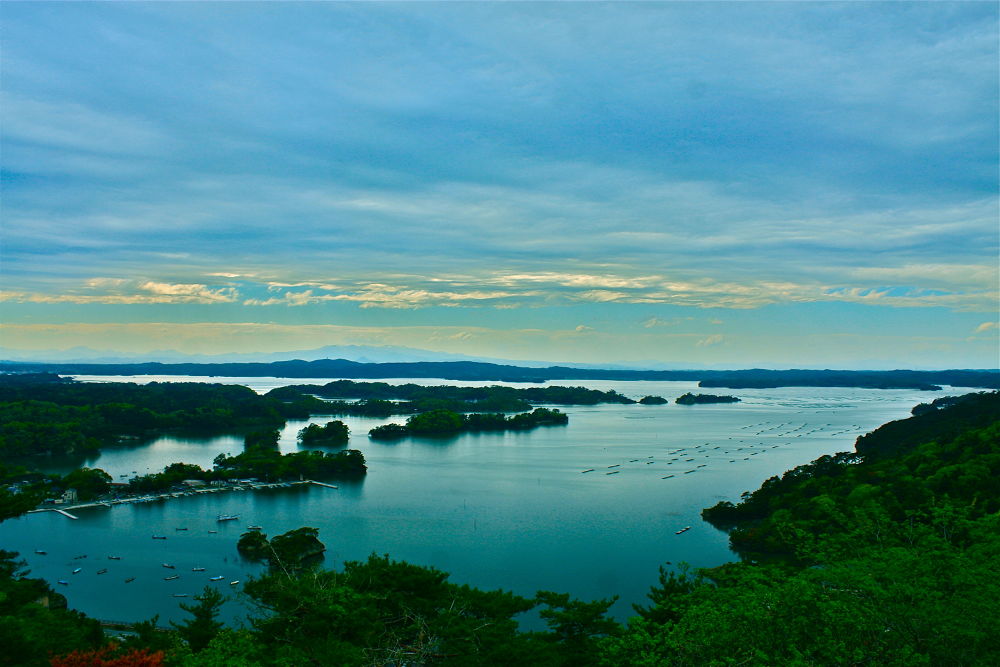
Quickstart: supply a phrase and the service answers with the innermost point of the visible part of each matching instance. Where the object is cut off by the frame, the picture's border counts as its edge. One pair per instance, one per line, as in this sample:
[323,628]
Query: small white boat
[218,578]
[63,582]
[168,565]
[172,577]
[77,570]
[228,517]
[233,583]
[197,569]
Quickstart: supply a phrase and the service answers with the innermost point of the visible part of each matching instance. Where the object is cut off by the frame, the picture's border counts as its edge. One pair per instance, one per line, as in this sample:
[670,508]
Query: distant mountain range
[474,370]
[358,353]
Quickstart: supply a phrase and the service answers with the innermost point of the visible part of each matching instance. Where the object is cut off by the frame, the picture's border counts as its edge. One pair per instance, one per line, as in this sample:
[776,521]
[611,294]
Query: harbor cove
[591,508]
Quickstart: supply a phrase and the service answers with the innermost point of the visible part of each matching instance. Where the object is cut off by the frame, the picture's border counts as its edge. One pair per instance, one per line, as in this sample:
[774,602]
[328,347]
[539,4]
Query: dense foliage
[486,399]
[70,418]
[445,422]
[695,399]
[332,433]
[261,463]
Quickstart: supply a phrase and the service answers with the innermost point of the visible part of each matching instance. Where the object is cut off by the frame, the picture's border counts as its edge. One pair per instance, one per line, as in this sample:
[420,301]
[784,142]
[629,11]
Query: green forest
[888,555]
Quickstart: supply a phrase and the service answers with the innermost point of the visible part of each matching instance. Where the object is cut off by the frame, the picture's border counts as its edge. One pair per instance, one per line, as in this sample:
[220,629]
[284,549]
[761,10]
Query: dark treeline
[696,399]
[70,418]
[882,558]
[419,398]
[471,370]
[446,422]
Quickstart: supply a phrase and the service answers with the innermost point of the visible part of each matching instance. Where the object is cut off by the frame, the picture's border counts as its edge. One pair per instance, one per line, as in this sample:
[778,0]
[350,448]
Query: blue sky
[780,184]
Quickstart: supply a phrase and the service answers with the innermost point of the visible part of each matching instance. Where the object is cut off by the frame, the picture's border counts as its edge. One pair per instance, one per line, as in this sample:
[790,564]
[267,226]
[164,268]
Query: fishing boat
[168,565]
[197,569]
[172,577]
[77,570]
[102,570]
[218,578]
[682,530]
[228,517]
[587,470]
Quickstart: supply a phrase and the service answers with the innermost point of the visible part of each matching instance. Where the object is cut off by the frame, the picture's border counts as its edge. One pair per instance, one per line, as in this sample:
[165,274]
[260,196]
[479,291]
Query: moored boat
[197,569]
[168,565]
[218,578]
[102,570]
[159,537]
[172,577]
[227,517]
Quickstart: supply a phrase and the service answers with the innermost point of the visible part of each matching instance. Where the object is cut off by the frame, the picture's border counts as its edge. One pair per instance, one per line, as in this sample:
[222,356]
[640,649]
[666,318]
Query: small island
[334,433]
[446,422]
[652,400]
[294,549]
[697,399]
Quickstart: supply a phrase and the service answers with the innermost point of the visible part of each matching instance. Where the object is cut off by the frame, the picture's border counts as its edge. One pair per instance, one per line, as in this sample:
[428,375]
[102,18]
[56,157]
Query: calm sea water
[512,510]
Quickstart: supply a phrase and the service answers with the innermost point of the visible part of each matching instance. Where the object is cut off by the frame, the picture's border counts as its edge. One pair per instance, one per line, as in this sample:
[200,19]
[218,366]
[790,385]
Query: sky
[727,184]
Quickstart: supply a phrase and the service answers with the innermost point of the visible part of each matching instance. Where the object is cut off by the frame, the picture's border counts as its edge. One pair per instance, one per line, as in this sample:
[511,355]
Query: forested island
[379,399]
[885,555]
[446,422]
[696,399]
[472,370]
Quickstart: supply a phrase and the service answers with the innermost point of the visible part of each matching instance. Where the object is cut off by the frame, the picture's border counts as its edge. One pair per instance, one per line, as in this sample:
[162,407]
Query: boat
[587,470]
[114,557]
[233,583]
[130,580]
[213,531]
[228,517]
[41,552]
[77,570]
[184,528]
[172,577]
[180,595]
[218,578]
[197,569]
[168,565]
[63,582]
[159,537]
[254,528]
[615,472]
[102,570]
[682,530]
[79,557]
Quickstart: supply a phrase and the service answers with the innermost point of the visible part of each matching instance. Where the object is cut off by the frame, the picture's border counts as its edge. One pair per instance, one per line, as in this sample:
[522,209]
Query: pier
[249,486]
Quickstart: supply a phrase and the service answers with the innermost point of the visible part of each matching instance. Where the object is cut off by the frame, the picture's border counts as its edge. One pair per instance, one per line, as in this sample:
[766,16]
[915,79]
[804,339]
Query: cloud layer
[417,162]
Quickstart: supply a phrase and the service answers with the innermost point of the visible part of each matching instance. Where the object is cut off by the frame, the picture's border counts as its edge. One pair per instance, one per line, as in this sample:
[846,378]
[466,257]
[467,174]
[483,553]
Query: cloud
[986,326]
[708,341]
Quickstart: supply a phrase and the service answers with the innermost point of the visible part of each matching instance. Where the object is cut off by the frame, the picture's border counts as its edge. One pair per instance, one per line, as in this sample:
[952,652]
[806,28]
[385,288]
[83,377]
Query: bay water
[514,510]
